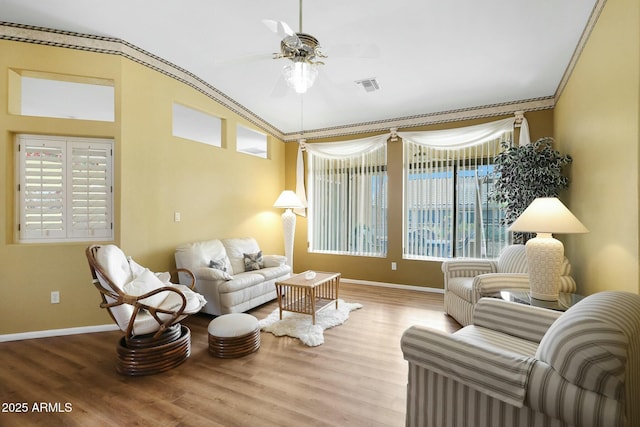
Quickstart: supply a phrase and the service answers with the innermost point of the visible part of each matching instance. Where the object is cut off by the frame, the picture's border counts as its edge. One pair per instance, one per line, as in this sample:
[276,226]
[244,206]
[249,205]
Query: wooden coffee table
[308,296]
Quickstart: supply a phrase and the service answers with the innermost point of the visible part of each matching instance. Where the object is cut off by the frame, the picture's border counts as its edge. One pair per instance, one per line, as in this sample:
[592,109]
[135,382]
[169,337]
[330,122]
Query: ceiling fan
[303,50]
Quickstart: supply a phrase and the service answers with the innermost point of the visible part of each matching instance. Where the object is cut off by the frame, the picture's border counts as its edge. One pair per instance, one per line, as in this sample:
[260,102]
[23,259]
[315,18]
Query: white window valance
[333,150]
[447,138]
[467,136]
[345,149]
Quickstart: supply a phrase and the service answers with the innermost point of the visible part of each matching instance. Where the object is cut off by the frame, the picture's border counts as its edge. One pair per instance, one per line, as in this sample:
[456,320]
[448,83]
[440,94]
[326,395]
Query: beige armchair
[518,365]
[468,280]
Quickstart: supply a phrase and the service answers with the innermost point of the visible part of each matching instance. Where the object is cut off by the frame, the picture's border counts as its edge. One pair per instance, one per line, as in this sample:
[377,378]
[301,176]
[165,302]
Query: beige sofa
[232,274]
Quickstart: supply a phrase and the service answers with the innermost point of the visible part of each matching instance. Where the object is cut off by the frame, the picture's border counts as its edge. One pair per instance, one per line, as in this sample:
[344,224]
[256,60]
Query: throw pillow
[218,264]
[253,261]
[144,283]
[220,269]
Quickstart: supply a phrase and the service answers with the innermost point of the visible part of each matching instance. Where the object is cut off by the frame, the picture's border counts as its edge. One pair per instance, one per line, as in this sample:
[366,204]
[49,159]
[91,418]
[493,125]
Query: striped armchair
[518,365]
[468,280]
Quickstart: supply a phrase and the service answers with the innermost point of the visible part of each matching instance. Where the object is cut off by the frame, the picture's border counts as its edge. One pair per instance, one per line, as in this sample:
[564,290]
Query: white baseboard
[58,332]
[393,285]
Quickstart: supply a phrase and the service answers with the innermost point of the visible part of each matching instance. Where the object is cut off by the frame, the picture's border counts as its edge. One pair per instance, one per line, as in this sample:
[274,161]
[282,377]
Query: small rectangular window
[65,190]
[196,126]
[251,142]
[91,99]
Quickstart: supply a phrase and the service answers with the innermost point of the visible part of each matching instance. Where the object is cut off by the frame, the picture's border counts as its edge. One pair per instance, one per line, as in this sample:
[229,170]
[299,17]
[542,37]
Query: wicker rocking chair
[147,308]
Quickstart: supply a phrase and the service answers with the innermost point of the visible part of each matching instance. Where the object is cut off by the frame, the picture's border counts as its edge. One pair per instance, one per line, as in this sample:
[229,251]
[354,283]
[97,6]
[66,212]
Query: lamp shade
[548,215]
[288,200]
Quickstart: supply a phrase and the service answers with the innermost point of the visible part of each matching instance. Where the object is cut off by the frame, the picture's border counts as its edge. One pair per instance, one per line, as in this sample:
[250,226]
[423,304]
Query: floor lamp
[545,255]
[288,200]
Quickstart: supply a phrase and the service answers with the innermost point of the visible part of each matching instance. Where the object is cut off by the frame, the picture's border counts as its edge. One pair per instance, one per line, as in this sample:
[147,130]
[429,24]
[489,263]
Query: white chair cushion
[195,301]
[144,283]
[232,325]
[115,264]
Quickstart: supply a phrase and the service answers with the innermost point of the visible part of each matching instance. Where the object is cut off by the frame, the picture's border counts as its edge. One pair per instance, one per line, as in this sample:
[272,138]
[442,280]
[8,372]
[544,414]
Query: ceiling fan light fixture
[300,75]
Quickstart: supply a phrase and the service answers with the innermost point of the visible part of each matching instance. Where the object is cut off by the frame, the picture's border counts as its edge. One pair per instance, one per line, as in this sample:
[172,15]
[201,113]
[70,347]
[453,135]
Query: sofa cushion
[274,260]
[199,254]
[241,281]
[270,273]
[235,250]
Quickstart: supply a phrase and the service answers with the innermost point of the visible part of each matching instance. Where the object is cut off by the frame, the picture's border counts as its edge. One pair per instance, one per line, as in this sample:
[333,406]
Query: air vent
[369,85]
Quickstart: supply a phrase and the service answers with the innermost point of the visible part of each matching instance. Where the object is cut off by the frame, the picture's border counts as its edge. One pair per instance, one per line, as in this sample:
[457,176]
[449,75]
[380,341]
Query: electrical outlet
[55,297]
[394,266]
[176,217]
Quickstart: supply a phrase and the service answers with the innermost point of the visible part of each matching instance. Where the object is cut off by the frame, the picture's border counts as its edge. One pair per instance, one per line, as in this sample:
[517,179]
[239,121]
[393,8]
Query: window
[196,126]
[348,204]
[251,142]
[58,96]
[447,202]
[65,189]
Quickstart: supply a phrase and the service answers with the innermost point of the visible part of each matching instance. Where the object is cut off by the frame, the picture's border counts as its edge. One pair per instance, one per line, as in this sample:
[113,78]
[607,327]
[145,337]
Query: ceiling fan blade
[285,32]
[281,88]
[243,59]
[354,50]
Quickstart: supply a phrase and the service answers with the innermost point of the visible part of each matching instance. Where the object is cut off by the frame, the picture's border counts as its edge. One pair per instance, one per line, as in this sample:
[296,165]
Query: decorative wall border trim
[114,46]
[593,18]
[508,108]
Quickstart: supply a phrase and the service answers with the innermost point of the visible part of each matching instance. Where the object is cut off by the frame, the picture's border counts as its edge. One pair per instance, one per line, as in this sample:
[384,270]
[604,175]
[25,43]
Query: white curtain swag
[447,138]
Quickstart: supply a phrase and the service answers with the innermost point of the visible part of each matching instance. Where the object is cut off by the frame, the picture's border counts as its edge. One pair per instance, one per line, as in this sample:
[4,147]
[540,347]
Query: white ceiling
[429,56]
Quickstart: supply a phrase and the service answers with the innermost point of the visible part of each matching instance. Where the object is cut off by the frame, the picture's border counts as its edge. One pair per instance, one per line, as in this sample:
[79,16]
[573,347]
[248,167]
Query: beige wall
[597,120]
[219,193]
[409,272]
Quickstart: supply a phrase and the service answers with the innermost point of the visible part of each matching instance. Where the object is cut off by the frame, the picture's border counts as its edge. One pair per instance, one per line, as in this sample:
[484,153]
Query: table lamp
[288,200]
[545,255]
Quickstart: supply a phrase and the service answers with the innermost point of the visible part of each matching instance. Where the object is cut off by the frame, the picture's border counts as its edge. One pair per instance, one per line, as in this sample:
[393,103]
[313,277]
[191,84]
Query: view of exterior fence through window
[449,211]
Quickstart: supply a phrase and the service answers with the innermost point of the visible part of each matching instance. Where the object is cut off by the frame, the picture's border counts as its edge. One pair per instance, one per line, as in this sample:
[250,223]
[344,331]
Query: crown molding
[114,46]
[507,108]
[591,23]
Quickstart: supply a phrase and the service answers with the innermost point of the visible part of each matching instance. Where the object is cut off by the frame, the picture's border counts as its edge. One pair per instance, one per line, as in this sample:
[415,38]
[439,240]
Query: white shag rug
[299,326]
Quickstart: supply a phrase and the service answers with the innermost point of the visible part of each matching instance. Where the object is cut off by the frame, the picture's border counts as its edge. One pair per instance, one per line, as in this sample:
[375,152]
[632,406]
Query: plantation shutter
[65,189]
[90,207]
[42,188]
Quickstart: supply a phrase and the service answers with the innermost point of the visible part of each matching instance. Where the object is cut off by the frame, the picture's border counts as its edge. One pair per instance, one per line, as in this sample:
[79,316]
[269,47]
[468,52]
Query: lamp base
[289,228]
[544,258]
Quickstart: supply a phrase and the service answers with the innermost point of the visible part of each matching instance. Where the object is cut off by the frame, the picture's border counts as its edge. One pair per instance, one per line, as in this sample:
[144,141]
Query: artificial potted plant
[526,172]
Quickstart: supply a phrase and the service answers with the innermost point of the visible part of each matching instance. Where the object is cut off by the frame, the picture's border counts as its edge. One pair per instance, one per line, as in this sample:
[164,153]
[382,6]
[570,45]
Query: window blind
[348,204]
[448,208]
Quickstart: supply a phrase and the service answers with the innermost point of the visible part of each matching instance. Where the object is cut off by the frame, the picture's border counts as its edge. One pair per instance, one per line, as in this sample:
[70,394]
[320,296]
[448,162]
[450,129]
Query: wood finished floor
[356,378]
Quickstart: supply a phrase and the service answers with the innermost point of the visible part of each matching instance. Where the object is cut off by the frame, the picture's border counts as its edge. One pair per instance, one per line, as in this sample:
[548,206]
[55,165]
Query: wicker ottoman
[234,335]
